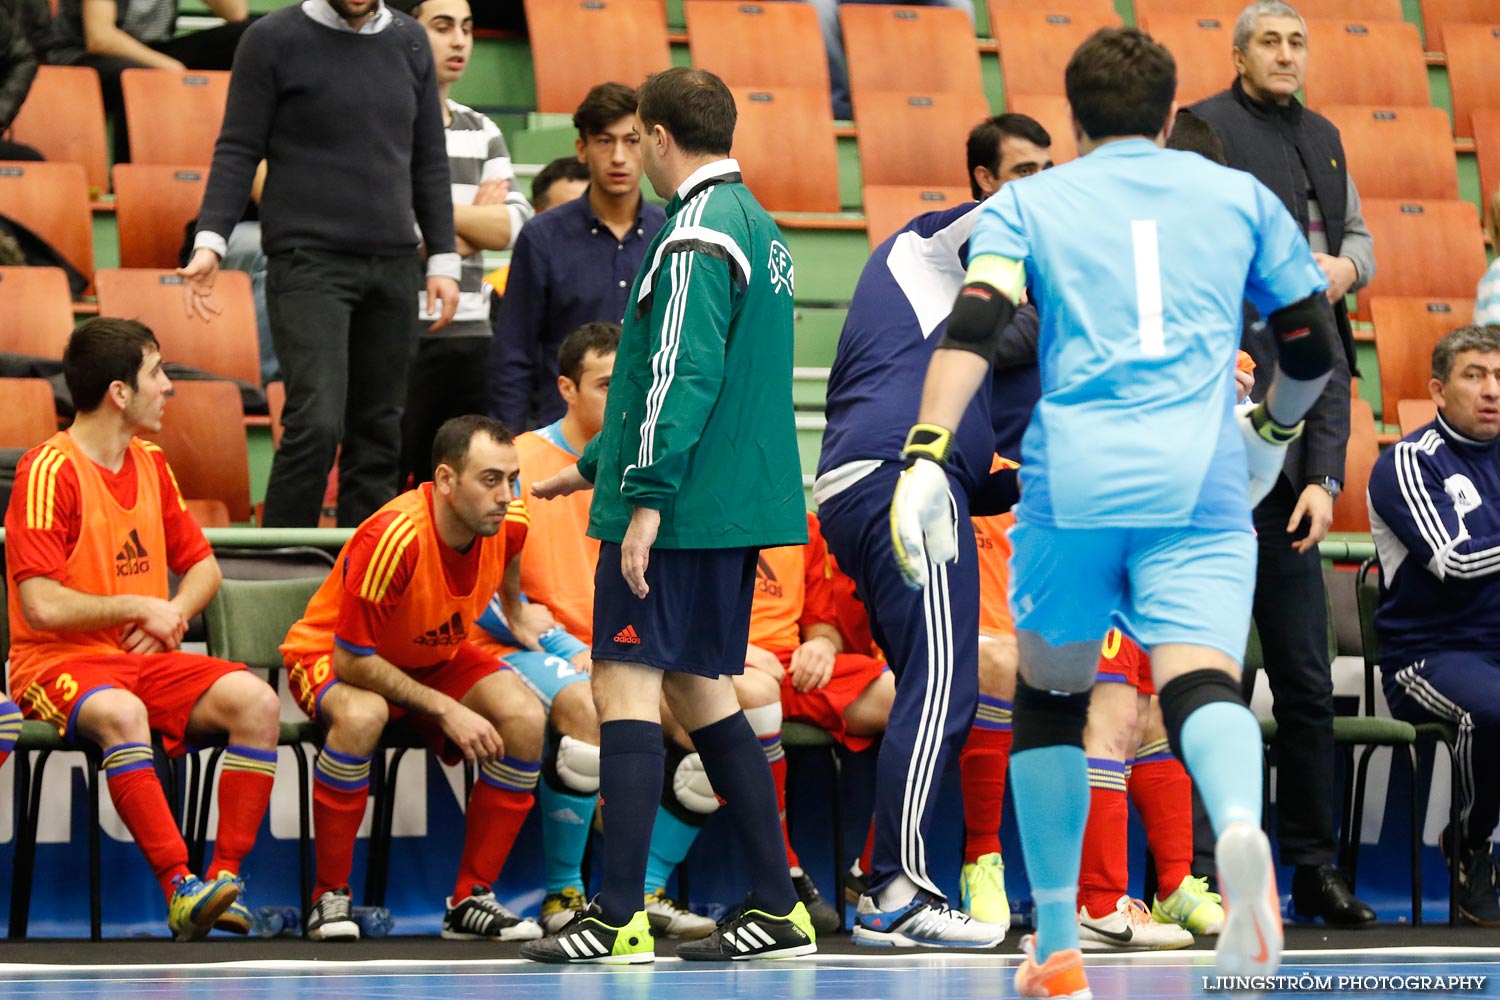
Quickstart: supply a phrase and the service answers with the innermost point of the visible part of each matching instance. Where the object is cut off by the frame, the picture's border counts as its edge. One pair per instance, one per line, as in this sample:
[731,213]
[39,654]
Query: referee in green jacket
[694,472]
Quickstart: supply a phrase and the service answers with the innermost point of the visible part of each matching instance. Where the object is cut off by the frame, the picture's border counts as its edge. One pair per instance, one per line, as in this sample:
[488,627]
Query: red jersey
[398,591]
[138,528]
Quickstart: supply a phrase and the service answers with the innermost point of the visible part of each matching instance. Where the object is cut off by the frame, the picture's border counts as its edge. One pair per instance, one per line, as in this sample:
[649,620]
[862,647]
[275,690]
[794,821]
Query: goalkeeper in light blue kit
[1134,508]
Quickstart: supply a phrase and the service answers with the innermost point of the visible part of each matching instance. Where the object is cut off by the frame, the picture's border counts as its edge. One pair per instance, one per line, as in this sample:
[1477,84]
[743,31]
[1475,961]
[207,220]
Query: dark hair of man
[1197,135]
[450,446]
[694,106]
[564,168]
[101,351]
[985,138]
[1485,339]
[606,104]
[1120,83]
[601,338]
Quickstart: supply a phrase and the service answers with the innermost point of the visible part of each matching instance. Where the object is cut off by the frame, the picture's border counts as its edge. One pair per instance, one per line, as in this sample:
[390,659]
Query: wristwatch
[1333,486]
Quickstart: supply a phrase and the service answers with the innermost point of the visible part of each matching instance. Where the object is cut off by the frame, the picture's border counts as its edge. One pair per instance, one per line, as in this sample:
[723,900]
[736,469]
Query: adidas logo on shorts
[627,637]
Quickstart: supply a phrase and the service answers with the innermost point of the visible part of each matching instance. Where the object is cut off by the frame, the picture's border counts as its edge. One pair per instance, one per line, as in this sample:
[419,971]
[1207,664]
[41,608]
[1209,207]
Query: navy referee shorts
[695,620]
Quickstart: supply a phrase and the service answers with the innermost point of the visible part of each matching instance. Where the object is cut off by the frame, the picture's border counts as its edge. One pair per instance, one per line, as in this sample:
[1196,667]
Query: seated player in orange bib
[94,525]
[386,638]
[798,653]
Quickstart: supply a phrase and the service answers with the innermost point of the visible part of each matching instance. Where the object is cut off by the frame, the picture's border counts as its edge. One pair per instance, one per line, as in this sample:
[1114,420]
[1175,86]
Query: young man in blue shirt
[574,265]
[1139,259]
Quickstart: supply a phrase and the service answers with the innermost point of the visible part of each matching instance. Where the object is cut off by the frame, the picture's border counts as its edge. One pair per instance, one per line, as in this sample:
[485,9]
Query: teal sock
[566,819]
[1050,786]
[671,839]
[1221,749]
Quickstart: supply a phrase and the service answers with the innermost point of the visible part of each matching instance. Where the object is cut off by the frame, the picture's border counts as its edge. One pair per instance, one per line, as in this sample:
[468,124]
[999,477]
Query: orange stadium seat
[1350,510]
[203,436]
[1473,70]
[153,205]
[1406,328]
[63,117]
[1351,10]
[1146,11]
[29,415]
[36,311]
[174,118]
[917,139]
[1035,47]
[1000,8]
[226,347]
[889,207]
[52,200]
[576,44]
[1440,246]
[758,44]
[1201,45]
[1397,152]
[1486,128]
[879,41]
[1414,413]
[785,146]
[1393,46]
[1055,116]
[1438,14]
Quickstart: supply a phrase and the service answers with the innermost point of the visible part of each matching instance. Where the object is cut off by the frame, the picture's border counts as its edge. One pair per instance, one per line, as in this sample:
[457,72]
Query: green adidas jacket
[699,423]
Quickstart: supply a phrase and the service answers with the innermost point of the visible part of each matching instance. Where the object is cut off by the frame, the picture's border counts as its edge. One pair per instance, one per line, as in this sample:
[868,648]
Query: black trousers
[344,328]
[447,380]
[1291,614]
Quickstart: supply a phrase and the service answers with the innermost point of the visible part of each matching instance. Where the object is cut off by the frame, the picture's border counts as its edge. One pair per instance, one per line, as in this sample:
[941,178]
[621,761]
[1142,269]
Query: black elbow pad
[1305,337]
[980,314]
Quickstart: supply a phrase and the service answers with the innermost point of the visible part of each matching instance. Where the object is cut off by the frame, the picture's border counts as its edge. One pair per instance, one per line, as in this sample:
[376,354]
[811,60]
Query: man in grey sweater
[340,98]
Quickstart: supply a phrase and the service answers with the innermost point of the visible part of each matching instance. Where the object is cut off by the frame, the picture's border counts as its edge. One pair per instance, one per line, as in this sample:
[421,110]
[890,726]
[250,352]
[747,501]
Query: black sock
[736,767]
[630,779]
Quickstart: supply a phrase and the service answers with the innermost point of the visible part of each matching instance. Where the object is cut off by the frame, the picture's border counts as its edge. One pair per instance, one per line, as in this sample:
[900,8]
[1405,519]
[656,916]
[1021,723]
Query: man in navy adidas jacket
[1435,514]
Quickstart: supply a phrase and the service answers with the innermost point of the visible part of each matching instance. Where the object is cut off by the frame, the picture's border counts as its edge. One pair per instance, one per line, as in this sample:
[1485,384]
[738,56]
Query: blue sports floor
[1383,972]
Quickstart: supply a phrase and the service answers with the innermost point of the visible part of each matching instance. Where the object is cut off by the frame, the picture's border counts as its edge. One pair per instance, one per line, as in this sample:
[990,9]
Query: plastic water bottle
[374,921]
[276,921]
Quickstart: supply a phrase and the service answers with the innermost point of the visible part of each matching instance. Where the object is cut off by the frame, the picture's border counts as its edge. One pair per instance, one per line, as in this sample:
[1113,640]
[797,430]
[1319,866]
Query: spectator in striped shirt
[447,375]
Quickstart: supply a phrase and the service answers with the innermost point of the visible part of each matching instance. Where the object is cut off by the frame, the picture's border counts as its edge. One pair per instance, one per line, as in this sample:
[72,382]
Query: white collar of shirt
[718,168]
[321,12]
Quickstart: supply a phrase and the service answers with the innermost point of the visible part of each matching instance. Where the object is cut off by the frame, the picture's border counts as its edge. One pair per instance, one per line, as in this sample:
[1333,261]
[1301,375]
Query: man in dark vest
[1298,154]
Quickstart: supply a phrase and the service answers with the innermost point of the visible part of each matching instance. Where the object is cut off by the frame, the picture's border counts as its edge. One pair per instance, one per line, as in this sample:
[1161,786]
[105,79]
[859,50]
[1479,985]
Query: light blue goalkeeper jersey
[1140,259]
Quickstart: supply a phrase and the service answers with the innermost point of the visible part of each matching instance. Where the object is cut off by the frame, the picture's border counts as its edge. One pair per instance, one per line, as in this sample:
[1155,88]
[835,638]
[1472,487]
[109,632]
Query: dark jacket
[1268,140]
[23,30]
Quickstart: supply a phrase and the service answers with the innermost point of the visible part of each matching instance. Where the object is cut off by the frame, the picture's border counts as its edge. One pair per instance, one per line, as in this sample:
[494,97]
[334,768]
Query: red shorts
[1121,661]
[825,706]
[168,684]
[310,678]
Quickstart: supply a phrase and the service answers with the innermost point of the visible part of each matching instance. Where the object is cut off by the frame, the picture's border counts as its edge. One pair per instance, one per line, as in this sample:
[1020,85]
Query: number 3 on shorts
[67,687]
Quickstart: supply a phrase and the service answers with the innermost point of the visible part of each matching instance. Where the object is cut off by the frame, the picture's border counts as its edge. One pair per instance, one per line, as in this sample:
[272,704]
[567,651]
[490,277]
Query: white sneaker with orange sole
[1059,978]
[1250,943]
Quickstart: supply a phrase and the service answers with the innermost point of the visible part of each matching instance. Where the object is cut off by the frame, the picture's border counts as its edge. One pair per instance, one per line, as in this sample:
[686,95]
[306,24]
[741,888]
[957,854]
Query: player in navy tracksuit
[895,320]
[1435,514]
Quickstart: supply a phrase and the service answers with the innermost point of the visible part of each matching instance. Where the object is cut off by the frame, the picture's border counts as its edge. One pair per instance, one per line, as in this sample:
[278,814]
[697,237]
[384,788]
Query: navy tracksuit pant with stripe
[931,639]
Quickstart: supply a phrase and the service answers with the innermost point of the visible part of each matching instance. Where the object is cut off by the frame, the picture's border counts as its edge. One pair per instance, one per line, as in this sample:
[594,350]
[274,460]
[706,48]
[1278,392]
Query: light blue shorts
[1160,585]
[545,674]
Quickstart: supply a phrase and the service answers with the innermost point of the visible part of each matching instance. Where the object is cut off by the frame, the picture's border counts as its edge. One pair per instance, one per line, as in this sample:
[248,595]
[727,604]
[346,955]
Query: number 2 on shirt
[1148,307]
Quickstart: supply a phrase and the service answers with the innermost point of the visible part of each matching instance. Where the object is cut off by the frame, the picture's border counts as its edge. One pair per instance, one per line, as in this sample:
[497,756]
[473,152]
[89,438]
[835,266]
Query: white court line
[373,967]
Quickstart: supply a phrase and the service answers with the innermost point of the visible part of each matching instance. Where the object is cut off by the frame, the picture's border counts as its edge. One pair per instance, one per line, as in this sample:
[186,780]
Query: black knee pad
[1044,719]
[1186,694]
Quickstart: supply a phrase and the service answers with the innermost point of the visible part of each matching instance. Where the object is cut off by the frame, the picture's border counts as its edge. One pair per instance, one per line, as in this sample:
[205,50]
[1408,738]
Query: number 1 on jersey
[1148,307]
